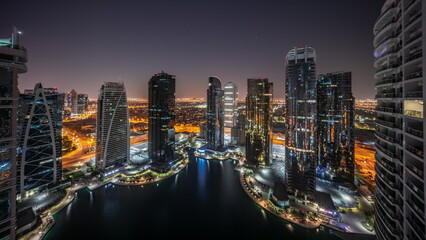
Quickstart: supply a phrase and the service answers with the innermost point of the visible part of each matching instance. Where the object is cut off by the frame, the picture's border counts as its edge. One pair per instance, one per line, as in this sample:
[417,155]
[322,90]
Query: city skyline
[120,45]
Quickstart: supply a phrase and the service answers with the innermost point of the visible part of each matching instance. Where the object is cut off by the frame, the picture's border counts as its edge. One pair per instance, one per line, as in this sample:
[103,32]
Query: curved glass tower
[113,133]
[214,115]
[300,94]
[400,164]
[12,62]
[40,139]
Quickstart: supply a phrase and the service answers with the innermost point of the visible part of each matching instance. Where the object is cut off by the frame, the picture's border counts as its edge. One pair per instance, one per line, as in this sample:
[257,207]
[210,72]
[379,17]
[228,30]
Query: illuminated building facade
[399,43]
[238,132]
[39,140]
[12,62]
[300,94]
[259,122]
[112,128]
[72,101]
[82,103]
[335,116]
[231,104]
[161,118]
[214,115]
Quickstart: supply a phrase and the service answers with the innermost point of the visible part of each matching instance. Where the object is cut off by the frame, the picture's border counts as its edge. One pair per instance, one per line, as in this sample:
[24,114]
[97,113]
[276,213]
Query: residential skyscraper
[82,103]
[161,118]
[72,101]
[300,96]
[335,116]
[39,139]
[231,104]
[259,122]
[400,83]
[112,127]
[238,132]
[13,57]
[215,114]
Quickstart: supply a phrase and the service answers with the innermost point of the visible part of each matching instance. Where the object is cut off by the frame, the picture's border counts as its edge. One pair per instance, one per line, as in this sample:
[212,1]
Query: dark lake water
[204,200]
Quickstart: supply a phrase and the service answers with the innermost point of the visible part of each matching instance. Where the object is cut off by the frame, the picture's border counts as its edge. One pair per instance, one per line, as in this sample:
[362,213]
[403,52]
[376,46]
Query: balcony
[390,66]
[388,123]
[413,19]
[393,35]
[386,137]
[415,132]
[416,190]
[415,150]
[390,153]
[414,169]
[392,21]
[414,38]
[388,80]
[410,4]
[420,232]
[388,109]
[414,94]
[414,56]
[388,95]
[418,74]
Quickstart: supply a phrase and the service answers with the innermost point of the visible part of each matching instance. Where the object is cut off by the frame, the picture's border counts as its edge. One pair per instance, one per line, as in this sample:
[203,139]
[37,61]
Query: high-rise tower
[161,117]
[230,104]
[400,83]
[72,101]
[335,116]
[39,139]
[300,95]
[259,122]
[214,114]
[112,127]
[12,62]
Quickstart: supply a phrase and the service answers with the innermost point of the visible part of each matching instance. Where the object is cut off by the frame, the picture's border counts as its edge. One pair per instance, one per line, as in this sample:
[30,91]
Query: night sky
[80,44]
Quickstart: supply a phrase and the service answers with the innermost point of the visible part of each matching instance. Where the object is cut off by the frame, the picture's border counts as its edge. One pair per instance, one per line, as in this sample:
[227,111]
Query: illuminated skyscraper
[12,62]
[399,43]
[39,139]
[112,127]
[238,132]
[336,142]
[82,103]
[72,101]
[300,130]
[259,122]
[231,104]
[161,118]
[214,114]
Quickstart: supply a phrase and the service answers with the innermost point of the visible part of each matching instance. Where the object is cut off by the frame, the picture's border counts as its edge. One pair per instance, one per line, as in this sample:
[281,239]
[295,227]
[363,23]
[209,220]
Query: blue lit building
[39,140]
[214,115]
[161,120]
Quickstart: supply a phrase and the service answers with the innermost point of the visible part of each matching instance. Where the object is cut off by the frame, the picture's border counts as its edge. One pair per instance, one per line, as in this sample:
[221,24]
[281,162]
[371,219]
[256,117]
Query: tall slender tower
[214,114]
[112,127]
[400,84]
[301,106]
[161,117]
[12,62]
[72,101]
[259,122]
[231,104]
[39,139]
[336,142]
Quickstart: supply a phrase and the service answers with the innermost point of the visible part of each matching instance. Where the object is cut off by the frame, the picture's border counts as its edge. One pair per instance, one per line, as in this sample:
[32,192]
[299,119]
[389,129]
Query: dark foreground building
[215,115]
[161,118]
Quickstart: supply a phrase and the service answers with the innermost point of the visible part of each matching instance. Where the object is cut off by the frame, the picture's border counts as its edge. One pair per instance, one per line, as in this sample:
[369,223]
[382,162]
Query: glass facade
[301,108]
[215,115]
[231,103]
[335,116]
[113,128]
[39,139]
[161,118]
[259,122]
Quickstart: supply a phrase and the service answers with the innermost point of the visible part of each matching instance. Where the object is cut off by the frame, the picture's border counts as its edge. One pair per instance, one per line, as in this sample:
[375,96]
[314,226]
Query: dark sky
[80,44]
